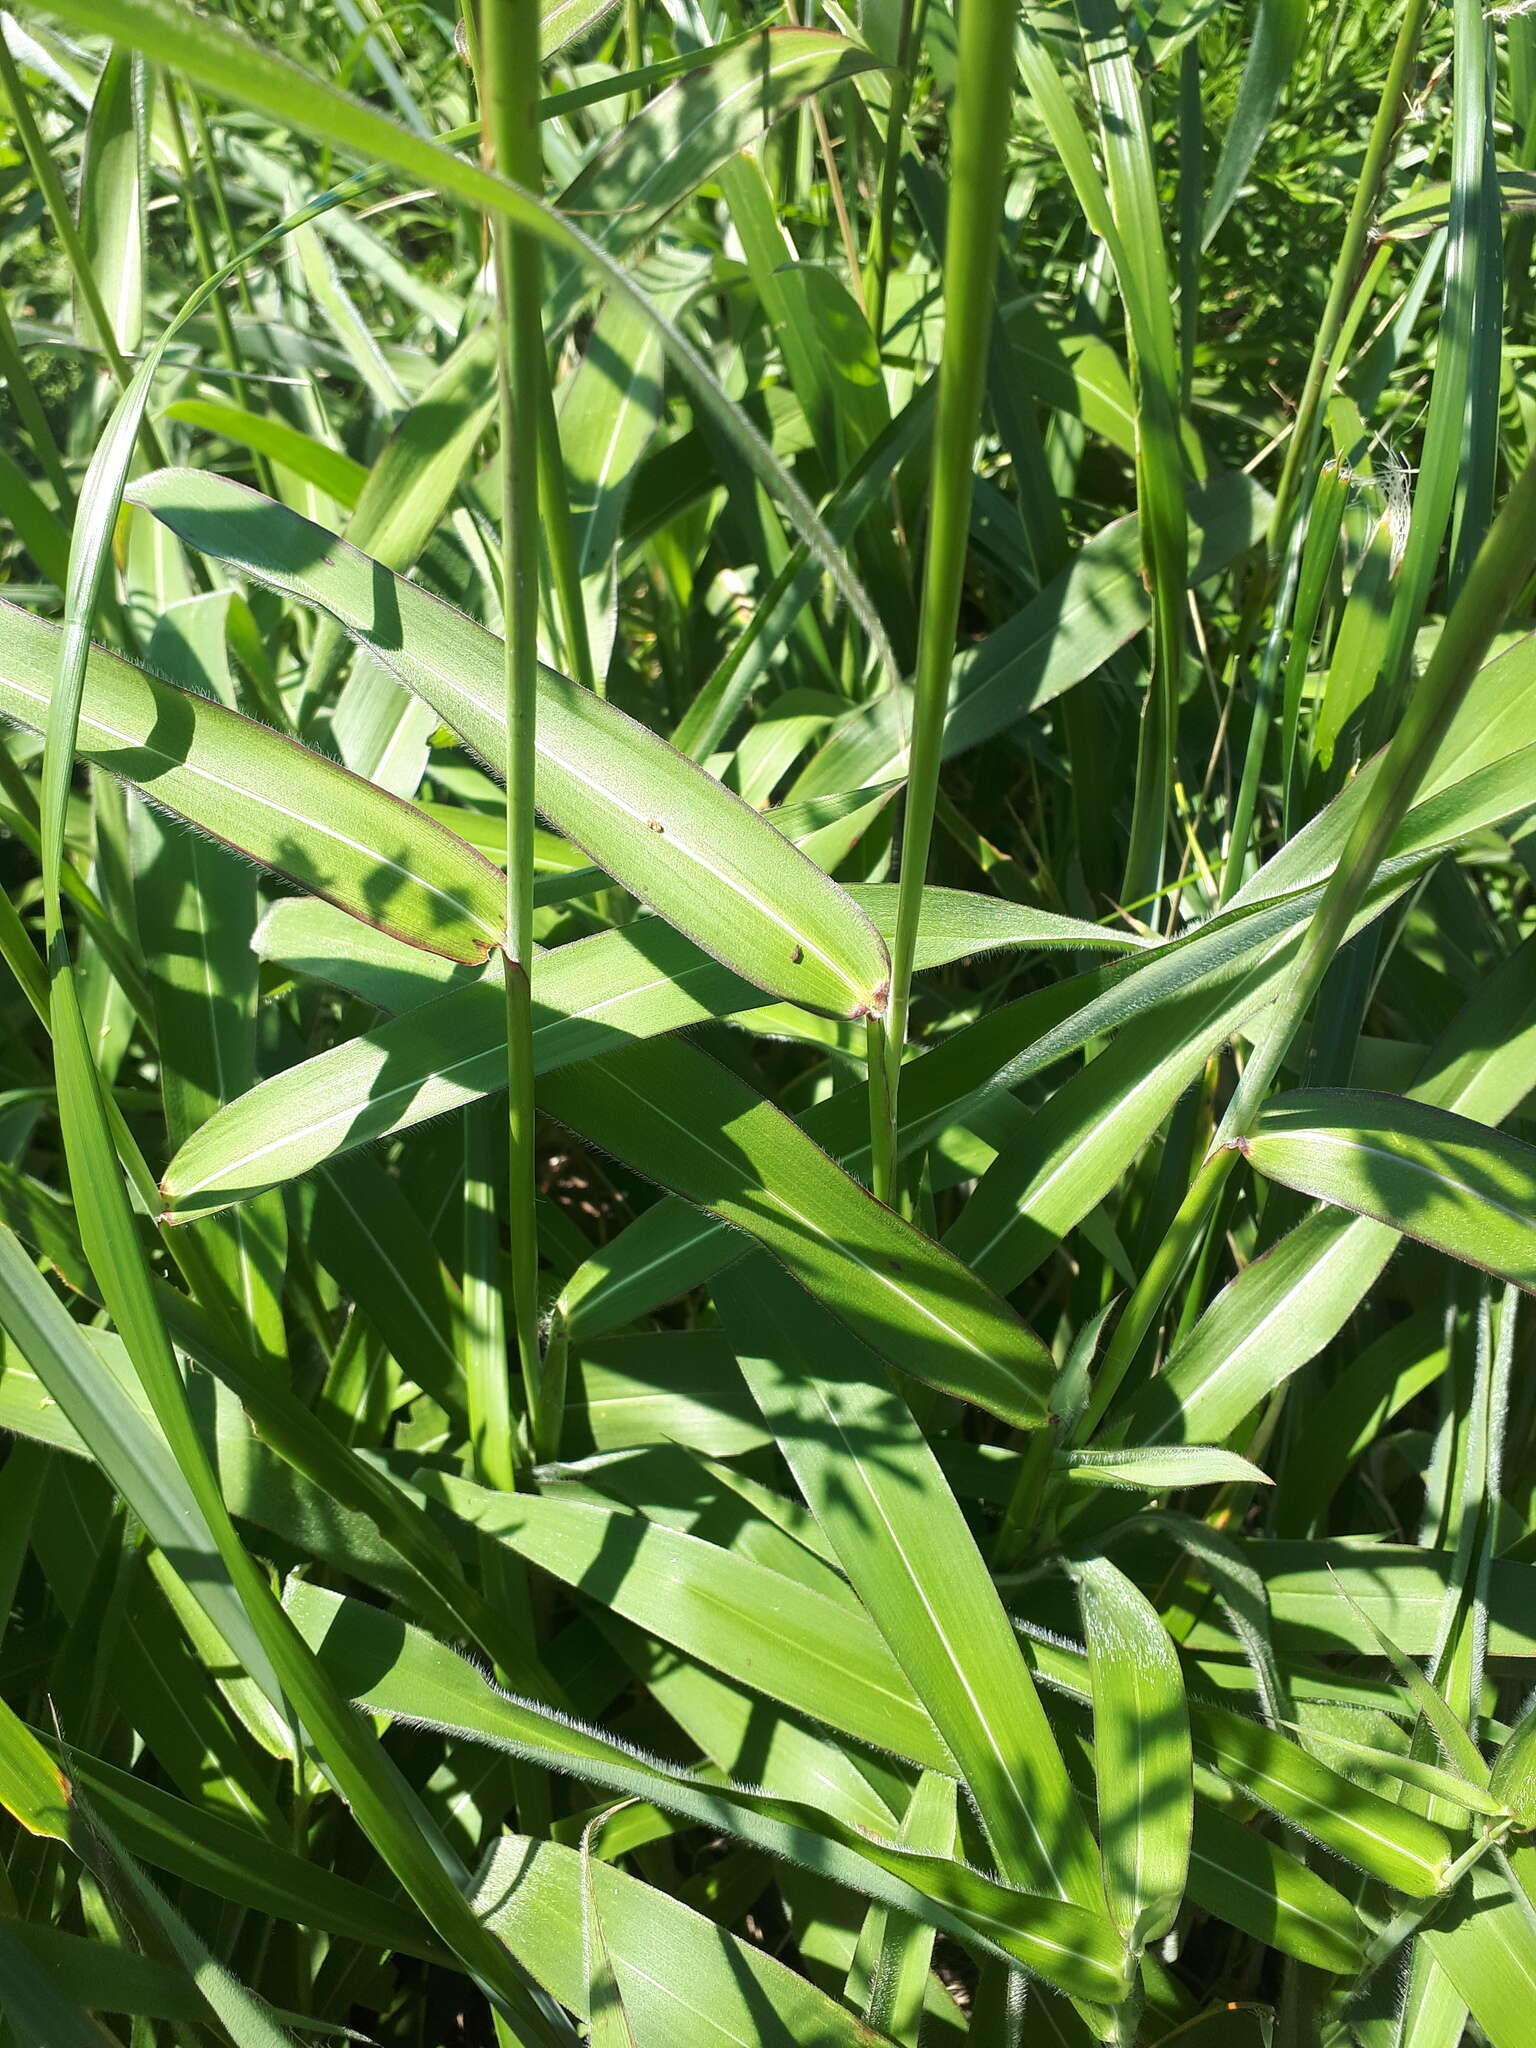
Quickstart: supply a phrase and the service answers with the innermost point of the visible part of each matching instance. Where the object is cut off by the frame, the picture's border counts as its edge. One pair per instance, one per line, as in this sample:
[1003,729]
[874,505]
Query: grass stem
[983,95]
[509,57]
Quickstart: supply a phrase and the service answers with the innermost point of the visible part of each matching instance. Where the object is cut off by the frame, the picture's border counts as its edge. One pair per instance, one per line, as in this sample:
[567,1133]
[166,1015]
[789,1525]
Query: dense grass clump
[766,792]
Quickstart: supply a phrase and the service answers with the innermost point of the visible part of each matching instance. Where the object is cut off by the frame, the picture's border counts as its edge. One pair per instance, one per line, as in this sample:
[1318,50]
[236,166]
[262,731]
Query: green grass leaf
[370,1493]
[698,1130]
[1143,1764]
[1278,32]
[771,1632]
[315,462]
[1487,1947]
[646,815]
[290,809]
[1455,1184]
[673,1974]
[878,1493]
[36,2006]
[398,1671]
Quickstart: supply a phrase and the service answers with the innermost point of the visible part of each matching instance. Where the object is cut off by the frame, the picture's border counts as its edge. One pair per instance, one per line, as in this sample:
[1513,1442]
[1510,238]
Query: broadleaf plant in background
[766,1201]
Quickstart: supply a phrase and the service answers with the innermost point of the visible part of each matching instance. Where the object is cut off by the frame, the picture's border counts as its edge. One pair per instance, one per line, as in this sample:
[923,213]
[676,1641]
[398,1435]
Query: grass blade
[256,790]
[1142,1759]
[877,1491]
[1433,1175]
[646,815]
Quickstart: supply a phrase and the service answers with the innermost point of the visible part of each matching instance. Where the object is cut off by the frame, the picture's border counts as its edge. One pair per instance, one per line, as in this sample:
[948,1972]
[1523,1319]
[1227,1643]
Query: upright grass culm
[509,82]
[1022,1522]
[983,95]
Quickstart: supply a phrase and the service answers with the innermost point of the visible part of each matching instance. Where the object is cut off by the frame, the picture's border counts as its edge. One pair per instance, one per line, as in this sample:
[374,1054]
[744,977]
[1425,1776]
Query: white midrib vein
[669,1564]
[672,1996]
[1253,1776]
[1343,1142]
[1278,1901]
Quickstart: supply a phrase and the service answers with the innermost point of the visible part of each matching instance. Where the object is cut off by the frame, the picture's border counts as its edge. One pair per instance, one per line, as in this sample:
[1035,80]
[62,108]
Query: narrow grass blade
[236,1863]
[645,814]
[1487,1947]
[767,1631]
[889,1975]
[1513,1782]
[397,1671]
[1278,34]
[109,1977]
[314,462]
[702,120]
[608,2021]
[1141,262]
[140,1463]
[608,414]
[733,1155]
[36,2006]
[1389,1841]
[443,1054]
[562,21]
[1455,1184]
[1143,1764]
[1390,1765]
[1157,1470]
[700,1131]
[670,1974]
[879,1494]
[292,810]
[114,195]
[1251,1883]
[640,981]
[245,2019]
[1280,1311]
